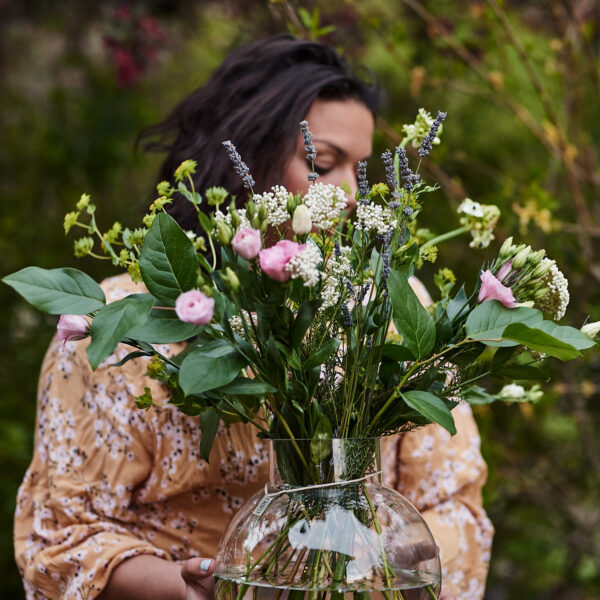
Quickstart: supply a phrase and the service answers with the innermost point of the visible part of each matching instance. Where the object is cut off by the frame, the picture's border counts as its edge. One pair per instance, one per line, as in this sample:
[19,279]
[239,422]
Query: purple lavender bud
[390,172]
[409,179]
[425,147]
[337,249]
[407,210]
[312,176]
[239,166]
[347,317]
[363,184]
[349,286]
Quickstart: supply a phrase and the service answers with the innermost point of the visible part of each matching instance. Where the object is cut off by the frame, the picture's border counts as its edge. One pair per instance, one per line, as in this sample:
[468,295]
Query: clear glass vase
[326,527]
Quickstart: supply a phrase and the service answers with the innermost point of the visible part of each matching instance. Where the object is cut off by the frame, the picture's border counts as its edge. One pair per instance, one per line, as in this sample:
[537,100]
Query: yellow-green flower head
[84,202]
[83,246]
[134,272]
[185,169]
[380,189]
[145,401]
[160,203]
[164,188]
[155,367]
[148,220]
[123,257]
[216,195]
[112,235]
[70,220]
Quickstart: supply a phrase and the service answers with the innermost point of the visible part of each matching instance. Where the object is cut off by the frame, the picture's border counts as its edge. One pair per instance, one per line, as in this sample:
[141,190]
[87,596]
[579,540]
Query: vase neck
[300,463]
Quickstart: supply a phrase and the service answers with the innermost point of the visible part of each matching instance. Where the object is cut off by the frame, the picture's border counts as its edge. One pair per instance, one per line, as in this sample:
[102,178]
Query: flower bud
[263,212]
[250,209]
[247,243]
[235,218]
[231,279]
[591,329]
[194,307]
[541,293]
[224,233]
[505,248]
[542,269]
[302,223]
[536,258]
[521,258]
[71,328]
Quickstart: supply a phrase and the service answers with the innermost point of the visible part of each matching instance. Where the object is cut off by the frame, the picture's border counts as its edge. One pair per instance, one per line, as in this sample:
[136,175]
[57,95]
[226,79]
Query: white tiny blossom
[276,202]
[235,323]
[305,265]
[468,207]
[338,268]
[481,238]
[226,218]
[374,217]
[325,202]
[557,300]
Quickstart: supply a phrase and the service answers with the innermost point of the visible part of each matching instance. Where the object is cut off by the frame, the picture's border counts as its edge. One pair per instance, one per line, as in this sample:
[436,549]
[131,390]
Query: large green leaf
[488,321]
[567,334]
[168,260]
[57,291]
[432,407]
[164,331]
[540,341]
[412,321]
[210,366]
[322,354]
[113,322]
[243,386]
[303,320]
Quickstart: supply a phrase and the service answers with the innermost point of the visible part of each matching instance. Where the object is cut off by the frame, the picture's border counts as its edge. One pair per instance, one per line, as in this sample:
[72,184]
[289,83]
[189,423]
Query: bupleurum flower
[305,265]
[276,204]
[325,202]
[374,217]
[555,302]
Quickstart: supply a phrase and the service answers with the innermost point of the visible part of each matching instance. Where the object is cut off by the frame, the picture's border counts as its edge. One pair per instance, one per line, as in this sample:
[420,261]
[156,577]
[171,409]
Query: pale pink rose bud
[492,289]
[301,222]
[71,328]
[505,269]
[246,243]
[273,260]
[195,307]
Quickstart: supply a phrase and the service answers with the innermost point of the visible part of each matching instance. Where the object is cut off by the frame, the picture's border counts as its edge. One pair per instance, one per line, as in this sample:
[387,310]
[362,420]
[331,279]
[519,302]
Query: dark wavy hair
[256,98]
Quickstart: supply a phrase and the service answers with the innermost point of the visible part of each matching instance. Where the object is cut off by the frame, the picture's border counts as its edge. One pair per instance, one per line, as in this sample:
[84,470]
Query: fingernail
[205,564]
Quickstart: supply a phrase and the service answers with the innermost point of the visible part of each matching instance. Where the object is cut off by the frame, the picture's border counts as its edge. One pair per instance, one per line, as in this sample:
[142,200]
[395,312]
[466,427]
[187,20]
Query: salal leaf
[567,334]
[540,341]
[488,321]
[112,323]
[303,320]
[477,395]
[168,260]
[57,291]
[431,407]
[209,425]
[411,319]
[320,445]
[458,306]
[210,366]
[164,331]
[397,352]
[322,354]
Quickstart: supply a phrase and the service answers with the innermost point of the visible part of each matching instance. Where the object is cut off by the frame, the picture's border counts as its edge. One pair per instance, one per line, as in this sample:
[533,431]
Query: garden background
[520,81]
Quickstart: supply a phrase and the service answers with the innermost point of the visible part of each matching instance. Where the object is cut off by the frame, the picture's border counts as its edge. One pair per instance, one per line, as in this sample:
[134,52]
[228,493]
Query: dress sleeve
[443,475]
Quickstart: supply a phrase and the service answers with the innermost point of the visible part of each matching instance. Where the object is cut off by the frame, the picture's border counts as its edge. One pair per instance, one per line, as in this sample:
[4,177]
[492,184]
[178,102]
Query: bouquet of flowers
[302,320]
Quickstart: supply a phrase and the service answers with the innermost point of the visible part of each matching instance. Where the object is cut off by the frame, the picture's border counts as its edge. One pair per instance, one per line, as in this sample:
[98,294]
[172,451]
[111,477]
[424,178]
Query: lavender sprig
[363,184]
[425,147]
[309,148]
[409,179]
[239,166]
[346,316]
[386,254]
[390,173]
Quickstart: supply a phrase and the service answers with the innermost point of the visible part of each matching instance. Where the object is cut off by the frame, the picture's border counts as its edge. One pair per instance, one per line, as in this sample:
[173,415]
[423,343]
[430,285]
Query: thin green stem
[446,236]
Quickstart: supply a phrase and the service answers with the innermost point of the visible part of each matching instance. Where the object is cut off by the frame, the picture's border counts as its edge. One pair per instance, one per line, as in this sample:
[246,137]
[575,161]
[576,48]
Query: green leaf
[168,260]
[566,334]
[320,445]
[477,395]
[209,425]
[489,319]
[113,322]
[57,291]
[304,319]
[397,352]
[412,321]
[431,407]
[130,356]
[458,306]
[540,341]
[322,354]
[164,331]
[243,386]
[208,367]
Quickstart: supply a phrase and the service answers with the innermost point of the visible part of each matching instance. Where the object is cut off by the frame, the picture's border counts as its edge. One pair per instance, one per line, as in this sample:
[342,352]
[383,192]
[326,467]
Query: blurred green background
[521,84]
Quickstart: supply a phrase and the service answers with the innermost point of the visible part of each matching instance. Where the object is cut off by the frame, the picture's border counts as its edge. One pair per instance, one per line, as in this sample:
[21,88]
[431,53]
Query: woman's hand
[198,576]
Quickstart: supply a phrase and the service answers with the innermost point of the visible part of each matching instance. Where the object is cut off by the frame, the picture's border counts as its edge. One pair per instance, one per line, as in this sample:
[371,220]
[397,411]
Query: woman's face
[342,132]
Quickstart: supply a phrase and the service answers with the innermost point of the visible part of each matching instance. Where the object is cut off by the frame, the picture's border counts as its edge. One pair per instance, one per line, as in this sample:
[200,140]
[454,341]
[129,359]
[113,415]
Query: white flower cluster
[375,217]
[276,203]
[339,267]
[517,393]
[558,299]
[325,202]
[226,218]
[237,323]
[305,265]
[481,220]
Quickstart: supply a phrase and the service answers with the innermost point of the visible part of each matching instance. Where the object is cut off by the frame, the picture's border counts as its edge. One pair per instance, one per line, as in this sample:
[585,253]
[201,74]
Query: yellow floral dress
[109,481]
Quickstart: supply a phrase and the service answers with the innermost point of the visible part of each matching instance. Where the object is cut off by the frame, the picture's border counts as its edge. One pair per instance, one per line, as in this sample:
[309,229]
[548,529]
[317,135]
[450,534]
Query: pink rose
[246,243]
[492,289]
[195,307]
[273,260]
[71,328]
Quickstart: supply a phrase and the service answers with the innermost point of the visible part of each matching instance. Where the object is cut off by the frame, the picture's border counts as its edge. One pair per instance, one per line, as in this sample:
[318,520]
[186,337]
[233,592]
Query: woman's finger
[198,576]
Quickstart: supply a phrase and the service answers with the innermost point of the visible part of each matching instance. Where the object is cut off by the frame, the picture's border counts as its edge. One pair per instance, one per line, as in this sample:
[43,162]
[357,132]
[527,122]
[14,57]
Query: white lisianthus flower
[591,329]
[302,223]
[512,390]
[325,202]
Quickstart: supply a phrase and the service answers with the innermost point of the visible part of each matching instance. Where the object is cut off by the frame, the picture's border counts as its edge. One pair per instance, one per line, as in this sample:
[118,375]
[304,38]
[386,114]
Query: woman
[116,499]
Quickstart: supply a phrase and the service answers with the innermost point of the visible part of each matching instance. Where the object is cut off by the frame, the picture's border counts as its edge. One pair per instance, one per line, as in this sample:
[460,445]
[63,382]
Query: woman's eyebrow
[337,149]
